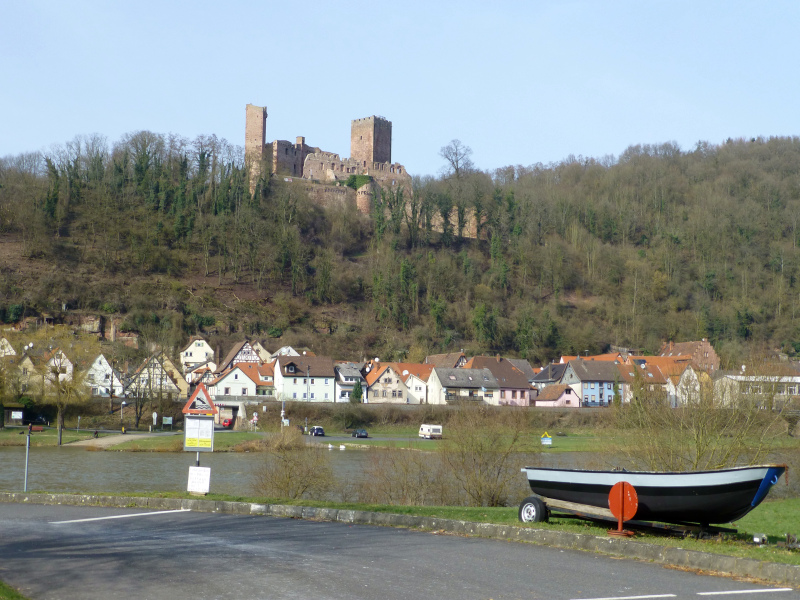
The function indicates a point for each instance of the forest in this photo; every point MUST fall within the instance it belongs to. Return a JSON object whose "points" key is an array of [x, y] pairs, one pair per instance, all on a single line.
{"points": [[657, 244]]}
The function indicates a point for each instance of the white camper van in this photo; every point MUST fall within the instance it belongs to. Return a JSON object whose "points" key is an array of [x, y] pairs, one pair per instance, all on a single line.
{"points": [[430, 432]]}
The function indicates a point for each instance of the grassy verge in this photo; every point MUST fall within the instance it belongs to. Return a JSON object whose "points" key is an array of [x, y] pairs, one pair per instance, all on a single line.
{"points": [[9, 593], [48, 437], [225, 442], [774, 518]]}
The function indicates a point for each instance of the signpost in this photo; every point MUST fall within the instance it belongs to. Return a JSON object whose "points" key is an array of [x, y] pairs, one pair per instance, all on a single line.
{"points": [[198, 436], [166, 421], [546, 439]]}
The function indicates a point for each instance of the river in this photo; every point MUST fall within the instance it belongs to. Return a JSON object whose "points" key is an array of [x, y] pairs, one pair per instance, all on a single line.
{"points": [[77, 470]]}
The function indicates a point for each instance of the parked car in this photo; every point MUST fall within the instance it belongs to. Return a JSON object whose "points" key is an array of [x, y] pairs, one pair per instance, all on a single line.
{"points": [[317, 430], [359, 433]]}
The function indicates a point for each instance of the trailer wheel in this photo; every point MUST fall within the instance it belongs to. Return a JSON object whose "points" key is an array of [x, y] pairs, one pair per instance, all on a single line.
{"points": [[533, 510]]}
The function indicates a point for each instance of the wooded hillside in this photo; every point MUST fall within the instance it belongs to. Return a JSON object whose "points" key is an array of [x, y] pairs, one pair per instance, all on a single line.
{"points": [[654, 245]]}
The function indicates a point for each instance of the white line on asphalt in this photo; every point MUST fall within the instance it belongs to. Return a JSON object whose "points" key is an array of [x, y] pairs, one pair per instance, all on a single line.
{"points": [[745, 592], [147, 514], [630, 597]]}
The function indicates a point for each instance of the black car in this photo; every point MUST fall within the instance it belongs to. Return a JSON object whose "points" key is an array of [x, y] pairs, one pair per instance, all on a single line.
{"points": [[317, 430], [359, 433]]}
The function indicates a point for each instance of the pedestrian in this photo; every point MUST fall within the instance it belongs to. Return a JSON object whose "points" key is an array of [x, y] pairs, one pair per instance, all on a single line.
{"points": [[30, 428], [96, 434]]}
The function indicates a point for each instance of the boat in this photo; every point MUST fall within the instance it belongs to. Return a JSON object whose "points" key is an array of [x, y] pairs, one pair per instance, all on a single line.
{"points": [[699, 497]]}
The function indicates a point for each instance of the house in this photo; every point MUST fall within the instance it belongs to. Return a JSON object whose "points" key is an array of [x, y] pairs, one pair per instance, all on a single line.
{"points": [[415, 376], [103, 381], [514, 386], [687, 389], [345, 377], [237, 381], [283, 351], [453, 360], [384, 384], [241, 352], [27, 373], [153, 380], [198, 352], [773, 386], [633, 376], [549, 375], [202, 373], [594, 381], [305, 378], [558, 395], [704, 358], [453, 386], [263, 353], [6, 349]]}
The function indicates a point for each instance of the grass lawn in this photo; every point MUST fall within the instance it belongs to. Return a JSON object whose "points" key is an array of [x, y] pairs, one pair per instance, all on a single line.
{"points": [[9, 593], [49, 437], [223, 442]]}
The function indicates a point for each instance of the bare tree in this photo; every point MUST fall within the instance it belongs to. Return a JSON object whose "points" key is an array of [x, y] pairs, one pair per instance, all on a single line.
{"points": [[458, 159]]}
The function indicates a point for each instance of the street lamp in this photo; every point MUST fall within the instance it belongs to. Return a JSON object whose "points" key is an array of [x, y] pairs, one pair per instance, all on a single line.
{"points": [[122, 409]]}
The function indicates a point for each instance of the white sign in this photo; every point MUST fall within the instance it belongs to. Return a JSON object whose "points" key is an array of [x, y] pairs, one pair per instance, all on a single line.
{"points": [[547, 441], [16, 415], [199, 480], [166, 420], [198, 433], [155, 418]]}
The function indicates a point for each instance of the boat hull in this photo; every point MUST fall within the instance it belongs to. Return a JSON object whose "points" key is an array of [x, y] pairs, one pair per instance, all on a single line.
{"points": [[703, 497]]}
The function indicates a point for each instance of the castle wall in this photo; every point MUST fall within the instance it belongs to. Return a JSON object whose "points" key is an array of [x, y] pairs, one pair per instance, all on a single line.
{"points": [[288, 158]]}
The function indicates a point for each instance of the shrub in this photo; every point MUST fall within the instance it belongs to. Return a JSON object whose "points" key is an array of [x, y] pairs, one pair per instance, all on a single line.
{"points": [[289, 472]]}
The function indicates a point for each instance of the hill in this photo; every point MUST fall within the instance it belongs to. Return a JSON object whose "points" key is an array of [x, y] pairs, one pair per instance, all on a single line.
{"points": [[657, 244]]}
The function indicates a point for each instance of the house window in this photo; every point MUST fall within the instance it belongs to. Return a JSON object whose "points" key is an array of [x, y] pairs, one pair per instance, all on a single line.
{"points": [[294, 395], [502, 393], [312, 381], [586, 398], [513, 394], [592, 385], [312, 395], [487, 394], [608, 386], [295, 380], [290, 369], [244, 391], [384, 393], [227, 391], [326, 382], [304, 395], [236, 376], [326, 395]]}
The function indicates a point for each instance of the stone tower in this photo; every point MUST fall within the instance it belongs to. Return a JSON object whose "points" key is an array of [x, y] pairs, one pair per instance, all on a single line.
{"points": [[371, 140], [255, 138]]}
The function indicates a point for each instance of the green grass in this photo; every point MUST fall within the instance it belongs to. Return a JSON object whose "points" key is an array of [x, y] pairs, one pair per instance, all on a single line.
{"points": [[49, 437], [223, 442], [9, 593]]}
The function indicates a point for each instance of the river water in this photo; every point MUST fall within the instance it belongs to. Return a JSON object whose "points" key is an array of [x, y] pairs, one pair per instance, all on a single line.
{"points": [[76, 470]]}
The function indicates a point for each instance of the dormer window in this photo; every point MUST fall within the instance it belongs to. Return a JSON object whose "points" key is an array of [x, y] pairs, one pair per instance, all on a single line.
{"points": [[290, 369]]}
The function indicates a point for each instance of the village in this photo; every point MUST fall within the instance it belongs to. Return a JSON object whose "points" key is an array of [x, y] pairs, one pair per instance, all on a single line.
{"points": [[250, 374]]}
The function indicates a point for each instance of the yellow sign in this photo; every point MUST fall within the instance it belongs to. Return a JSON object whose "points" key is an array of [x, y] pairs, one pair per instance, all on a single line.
{"points": [[545, 434]]}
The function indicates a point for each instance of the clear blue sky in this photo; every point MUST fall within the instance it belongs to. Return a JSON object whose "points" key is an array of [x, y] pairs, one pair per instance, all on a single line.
{"points": [[518, 82]]}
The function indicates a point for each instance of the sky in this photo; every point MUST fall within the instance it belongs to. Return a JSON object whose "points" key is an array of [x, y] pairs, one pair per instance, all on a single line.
{"points": [[519, 82]]}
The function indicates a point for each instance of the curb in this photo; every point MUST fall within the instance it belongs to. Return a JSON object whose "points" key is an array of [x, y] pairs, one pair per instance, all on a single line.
{"points": [[704, 561]]}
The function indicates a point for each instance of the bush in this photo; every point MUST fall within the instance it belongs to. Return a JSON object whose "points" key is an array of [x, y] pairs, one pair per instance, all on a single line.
{"points": [[291, 472]]}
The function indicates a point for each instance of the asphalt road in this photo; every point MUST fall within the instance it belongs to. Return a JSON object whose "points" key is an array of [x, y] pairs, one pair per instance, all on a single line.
{"points": [[70, 552]]}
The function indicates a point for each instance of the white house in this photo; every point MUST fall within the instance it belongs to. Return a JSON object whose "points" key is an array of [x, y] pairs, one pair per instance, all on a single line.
{"points": [[346, 375], [235, 382], [102, 380], [152, 380], [202, 373], [196, 353], [57, 362], [450, 386], [241, 352], [6, 349], [304, 378]]}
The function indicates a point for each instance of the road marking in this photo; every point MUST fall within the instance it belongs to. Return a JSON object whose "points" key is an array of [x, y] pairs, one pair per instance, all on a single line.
{"points": [[746, 591], [146, 514], [630, 597]]}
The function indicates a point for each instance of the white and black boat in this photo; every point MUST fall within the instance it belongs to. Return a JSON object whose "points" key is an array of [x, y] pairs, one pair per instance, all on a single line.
{"points": [[701, 497]]}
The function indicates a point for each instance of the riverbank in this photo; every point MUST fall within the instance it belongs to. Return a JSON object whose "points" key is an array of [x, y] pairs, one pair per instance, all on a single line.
{"points": [[685, 556]]}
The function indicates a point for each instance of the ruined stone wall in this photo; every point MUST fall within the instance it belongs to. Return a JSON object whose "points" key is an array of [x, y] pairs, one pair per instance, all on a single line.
{"points": [[288, 158], [371, 140]]}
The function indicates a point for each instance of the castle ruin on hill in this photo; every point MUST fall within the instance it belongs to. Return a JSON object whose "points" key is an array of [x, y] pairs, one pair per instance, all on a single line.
{"points": [[323, 173]]}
